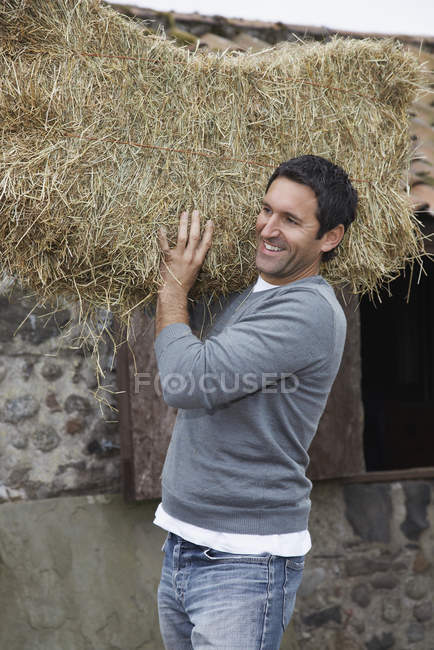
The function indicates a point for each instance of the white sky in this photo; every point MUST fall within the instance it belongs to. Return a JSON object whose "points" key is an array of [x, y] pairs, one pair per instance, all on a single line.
{"points": [[382, 16]]}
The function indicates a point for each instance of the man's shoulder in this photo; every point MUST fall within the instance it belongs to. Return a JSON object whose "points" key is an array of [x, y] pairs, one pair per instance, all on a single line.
{"points": [[310, 299], [204, 312], [309, 291]]}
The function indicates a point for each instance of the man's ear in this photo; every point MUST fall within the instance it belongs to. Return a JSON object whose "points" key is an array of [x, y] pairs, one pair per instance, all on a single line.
{"points": [[332, 238]]}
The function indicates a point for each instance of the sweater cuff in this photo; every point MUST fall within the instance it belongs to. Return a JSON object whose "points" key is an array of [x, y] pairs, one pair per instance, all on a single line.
{"points": [[168, 334]]}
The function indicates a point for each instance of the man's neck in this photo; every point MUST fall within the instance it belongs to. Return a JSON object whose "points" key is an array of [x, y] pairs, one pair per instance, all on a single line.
{"points": [[306, 273]]}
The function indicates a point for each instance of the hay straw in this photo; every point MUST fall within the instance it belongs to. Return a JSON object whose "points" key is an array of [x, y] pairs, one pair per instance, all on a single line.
{"points": [[108, 133]]}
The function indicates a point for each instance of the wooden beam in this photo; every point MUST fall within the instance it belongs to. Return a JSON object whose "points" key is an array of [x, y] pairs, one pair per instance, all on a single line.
{"points": [[411, 474], [125, 428]]}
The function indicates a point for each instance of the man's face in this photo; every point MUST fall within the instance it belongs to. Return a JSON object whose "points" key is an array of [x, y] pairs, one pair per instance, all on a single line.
{"points": [[287, 222]]}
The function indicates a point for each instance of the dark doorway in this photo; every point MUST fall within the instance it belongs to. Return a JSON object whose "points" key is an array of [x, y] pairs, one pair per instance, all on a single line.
{"points": [[398, 375]]}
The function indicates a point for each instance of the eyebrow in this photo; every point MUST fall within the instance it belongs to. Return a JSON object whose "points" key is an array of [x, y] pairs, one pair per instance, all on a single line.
{"points": [[286, 214]]}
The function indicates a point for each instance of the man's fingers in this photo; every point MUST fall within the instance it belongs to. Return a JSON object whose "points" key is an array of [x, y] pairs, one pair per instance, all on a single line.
{"points": [[206, 242], [183, 230], [197, 247], [162, 240], [194, 236]]}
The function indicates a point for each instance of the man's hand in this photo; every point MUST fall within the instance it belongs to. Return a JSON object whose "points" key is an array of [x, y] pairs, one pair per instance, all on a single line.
{"points": [[181, 265], [179, 269]]}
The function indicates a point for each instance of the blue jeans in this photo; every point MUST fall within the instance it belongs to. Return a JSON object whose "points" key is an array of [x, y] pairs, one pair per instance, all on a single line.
{"points": [[210, 599]]}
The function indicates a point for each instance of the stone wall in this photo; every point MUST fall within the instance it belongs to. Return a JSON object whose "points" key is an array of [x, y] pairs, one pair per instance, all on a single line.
{"points": [[81, 573], [369, 578], [55, 437]]}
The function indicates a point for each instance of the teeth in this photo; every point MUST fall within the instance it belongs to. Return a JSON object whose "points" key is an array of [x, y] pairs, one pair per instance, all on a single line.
{"points": [[269, 247]]}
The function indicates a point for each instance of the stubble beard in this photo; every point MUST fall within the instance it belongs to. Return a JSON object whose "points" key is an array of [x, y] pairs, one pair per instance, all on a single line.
{"points": [[278, 269]]}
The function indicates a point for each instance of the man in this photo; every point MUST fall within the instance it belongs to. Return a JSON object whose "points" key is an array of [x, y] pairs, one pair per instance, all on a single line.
{"points": [[250, 396]]}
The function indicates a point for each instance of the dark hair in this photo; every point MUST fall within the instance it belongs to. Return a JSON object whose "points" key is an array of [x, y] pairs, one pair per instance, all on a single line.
{"points": [[336, 197]]}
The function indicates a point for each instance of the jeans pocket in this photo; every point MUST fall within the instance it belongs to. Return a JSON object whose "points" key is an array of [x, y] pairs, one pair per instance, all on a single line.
{"points": [[293, 575], [295, 563]]}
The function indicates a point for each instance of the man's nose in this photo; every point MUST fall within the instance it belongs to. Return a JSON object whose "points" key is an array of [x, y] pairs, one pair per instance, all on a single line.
{"points": [[271, 228]]}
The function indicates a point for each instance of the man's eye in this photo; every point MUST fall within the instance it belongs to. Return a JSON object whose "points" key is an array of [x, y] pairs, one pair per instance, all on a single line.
{"points": [[264, 209]]}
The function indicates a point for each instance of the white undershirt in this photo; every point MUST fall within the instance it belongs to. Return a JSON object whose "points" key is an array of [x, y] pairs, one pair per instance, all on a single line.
{"points": [[286, 544]]}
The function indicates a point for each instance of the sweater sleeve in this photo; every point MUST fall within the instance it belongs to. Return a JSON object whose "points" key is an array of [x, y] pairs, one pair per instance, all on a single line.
{"points": [[271, 342]]}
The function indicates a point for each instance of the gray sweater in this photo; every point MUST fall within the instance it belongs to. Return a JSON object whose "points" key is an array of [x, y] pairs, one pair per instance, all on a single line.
{"points": [[250, 397]]}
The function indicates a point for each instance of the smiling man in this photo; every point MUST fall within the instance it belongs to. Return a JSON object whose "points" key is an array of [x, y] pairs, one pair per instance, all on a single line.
{"points": [[250, 395]]}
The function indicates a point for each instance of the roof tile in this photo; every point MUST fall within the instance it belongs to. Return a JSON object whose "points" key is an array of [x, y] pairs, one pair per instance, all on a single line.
{"points": [[215, 42], [246, 41]]}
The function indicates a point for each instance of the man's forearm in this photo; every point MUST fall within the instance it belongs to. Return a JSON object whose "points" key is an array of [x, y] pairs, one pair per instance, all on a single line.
{"points": [[171, 308]]}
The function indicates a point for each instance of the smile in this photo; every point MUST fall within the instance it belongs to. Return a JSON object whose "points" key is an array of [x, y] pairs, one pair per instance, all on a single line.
{"points": [[271, 248]]}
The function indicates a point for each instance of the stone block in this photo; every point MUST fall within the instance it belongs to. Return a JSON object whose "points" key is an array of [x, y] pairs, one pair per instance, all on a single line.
{"points": [[386, 640], [361, 594], [80, 466], [323, 616], [391, 609], [52, 403], [421, 564], [74, 425], [103, 428], [384, 581], [312, 578], [19, 476], [415, 632], [27, 368], [424, 611], [19, 440], [3, 370], [45, 439], [8, 494], [417, 499], [51, 371], [368, 509], [361, 565], [20, 408], [417, 588], [77, 404]]}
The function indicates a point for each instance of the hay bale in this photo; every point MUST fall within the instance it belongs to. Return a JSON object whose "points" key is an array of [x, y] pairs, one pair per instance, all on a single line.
{"points": [[108, 133]]}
